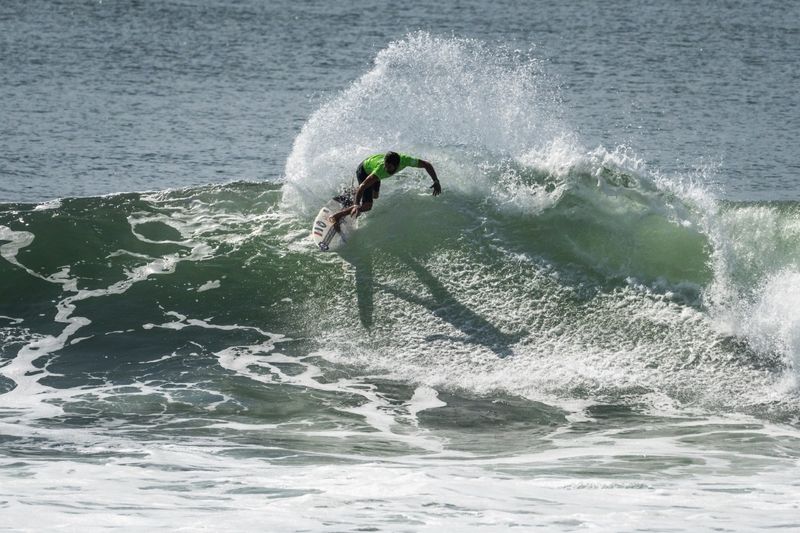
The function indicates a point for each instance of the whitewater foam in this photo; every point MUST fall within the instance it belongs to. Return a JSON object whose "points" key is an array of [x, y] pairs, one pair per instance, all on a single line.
{"points": [[756, 273], [446, 100]]}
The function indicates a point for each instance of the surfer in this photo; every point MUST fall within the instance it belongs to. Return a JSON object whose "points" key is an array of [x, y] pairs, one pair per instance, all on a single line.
{"points": [[375, 168]]}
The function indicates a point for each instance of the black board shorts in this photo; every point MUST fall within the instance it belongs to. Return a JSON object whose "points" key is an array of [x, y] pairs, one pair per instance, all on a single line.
{"points": [[361, 175]]}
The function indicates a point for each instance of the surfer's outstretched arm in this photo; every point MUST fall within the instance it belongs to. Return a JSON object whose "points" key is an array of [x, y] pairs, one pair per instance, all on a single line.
{"points": [[437, 188]]}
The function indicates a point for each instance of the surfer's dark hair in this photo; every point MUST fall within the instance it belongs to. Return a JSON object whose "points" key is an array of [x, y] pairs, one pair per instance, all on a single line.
{"points": [[393, 158]]}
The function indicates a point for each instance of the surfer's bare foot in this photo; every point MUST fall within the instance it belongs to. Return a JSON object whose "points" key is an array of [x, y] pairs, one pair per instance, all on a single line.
{"points": [[334, 221]]}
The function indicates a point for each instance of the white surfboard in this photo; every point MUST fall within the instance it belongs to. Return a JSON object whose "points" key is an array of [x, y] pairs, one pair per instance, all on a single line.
{"points": [[324, 235]]}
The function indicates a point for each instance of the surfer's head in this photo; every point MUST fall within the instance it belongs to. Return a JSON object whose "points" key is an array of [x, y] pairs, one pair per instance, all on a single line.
{"points": [[391, 161]]}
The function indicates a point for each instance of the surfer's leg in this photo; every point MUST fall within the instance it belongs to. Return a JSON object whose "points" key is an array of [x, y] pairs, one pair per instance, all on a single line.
{"points": [[373, 192], [366, 205], [368, 196], [334, 218], [361, 174]]}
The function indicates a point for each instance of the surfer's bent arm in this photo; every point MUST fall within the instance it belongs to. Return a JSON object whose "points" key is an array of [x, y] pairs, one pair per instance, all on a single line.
{"points": [[370, 180], [437, 188]]}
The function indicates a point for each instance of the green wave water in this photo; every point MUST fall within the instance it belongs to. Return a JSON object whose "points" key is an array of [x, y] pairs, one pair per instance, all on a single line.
{"points": [[606, 293]]}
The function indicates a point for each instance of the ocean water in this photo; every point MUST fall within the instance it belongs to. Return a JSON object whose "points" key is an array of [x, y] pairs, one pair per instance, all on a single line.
{"points": [[595, 326]]}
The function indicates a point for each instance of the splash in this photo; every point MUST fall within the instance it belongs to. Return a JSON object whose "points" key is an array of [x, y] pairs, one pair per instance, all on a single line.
{"points": [[456, 102], [756, 260]]}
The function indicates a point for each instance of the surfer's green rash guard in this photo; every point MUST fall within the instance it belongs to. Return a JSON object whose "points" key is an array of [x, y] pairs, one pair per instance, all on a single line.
{"points": [[374, 165]]}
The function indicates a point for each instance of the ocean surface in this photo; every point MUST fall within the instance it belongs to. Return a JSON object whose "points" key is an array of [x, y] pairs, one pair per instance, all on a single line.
{"points": [[595, 327]]}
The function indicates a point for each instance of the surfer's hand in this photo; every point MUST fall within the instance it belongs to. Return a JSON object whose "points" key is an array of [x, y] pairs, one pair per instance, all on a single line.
{"points": [[354, 211], [437, 189]]}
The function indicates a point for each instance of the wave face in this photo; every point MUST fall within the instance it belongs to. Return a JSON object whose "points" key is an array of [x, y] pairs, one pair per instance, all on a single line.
{"points": [[598, 274], [546, 270]]}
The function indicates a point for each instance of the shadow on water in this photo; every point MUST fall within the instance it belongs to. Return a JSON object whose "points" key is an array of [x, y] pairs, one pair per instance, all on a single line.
{"points": [[362, 263], [383, 238], [365, 289], [445, 306]]}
